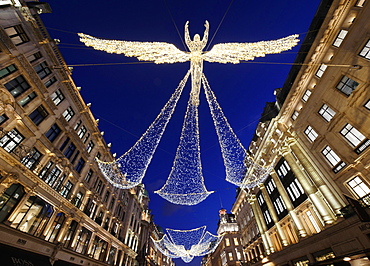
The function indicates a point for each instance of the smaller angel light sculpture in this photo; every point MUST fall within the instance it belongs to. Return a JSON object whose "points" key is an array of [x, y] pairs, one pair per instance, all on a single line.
{"points": [[187, 244]]}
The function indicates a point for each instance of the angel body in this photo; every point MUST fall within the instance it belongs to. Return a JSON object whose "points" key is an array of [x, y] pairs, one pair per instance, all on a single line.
{"points": [[161, 52]]}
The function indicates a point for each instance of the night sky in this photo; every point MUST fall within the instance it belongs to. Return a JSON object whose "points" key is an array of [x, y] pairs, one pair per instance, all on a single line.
{"points": [[127, 95]]}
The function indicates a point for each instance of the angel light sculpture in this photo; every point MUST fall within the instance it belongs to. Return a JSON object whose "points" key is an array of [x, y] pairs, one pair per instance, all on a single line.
{"points": [[129, 170], [187, 244]]}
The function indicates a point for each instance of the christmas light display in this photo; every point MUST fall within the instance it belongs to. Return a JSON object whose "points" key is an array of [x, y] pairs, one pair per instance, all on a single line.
{"points": [[161, 52], [185, 184], [241, 170], [129, 170], [187, 244]]}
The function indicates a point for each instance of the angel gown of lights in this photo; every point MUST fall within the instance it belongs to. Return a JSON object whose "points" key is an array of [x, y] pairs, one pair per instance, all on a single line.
{"points": [[185, 184], [187, 244]]}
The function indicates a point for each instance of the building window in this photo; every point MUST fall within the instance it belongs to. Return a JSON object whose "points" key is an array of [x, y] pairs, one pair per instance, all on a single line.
{"points": [[6, 71], [90, 146], [264, 209], [17, 35], [57, 97], [77, 200], [306, 95], [82, 131], [275, 198], [83, 240], [98, 185], [34, 57], [9, 200], [68, 113], [310, 133], [38, 115], [367, 105], [42, 70], [53, 132], [17, 86], [26, 100], [290, 182], [80, 165], [77, 125], [326, 112], [66, 189], [360, 3], [11, 140], [55, 227], [365, 52], [3, 118], [333, 159], [50, 82], [86, 137], [347, 85], [32, 159], [33, 216], [70, 150], [359, 187], [321, 70], [64, 144], [295, 115], [352, 135], [89, 175], [338, 41], [230, 256]]}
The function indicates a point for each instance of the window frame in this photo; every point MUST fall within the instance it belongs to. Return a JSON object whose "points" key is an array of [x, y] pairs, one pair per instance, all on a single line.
{"points": [[365, 51], [326, 112], [68, 114], [17, 86], [14, 138], [53, 132], [19, 37], [38, 115], [340, 38], [347, 85], [42, 70], [57, 97]]}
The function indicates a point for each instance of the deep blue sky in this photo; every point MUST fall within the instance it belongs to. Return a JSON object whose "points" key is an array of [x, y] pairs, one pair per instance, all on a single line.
{"points": [[127, 97]]}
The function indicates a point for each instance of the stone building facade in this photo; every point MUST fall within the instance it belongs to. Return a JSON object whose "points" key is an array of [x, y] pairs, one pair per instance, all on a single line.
{"points": [[56, 208], [313, 209]]}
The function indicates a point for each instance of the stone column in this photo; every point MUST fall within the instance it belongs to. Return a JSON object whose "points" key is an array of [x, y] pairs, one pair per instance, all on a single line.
{"points": [[74, 240], [261, 224], [308, 187], [274, 215], [50, 222], [335, 204], [89, 246], [289, 205]]}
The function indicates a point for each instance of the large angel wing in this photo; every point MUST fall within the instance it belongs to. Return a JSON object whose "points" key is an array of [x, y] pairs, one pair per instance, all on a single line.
{"points": [[236, 52], [159, 52]]}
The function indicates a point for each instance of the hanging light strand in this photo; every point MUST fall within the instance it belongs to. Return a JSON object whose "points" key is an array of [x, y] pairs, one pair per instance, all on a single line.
{"points": [[238, 164], [185, 183], [187, 244], [129, 170]]}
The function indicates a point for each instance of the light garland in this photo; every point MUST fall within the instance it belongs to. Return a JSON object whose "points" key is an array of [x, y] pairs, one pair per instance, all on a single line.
{"points": [[185, 183], [241, 170], [187, 244], [129, 170]]}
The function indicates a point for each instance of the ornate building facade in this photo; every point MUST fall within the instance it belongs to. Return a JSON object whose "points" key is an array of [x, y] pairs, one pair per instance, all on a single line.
{"points": [[313, 209], [56, 208]]}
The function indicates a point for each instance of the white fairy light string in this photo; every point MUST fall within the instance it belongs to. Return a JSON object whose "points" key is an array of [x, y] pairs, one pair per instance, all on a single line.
{"points": [[129, 170], [241, 170], [185, 184], [187, 244]]}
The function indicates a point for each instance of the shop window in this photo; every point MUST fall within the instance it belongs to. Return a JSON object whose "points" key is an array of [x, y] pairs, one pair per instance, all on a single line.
{"points": [[55, 227], [9, 200], [70, 234], [33, 217], [83, 241], [99, 249]]}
